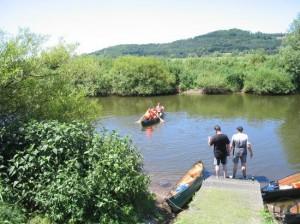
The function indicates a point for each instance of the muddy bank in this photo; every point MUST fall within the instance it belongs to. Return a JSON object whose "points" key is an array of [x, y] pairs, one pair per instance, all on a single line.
{"points": [[204, 91], [161, 193]]}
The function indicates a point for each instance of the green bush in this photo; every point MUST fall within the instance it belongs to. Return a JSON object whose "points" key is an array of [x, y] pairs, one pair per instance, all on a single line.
{"points": [[290, 52], [141, 76], [73, 175], [213, 82], [256, 73], [33, 84], [39, 220], [268, 81], [11, 214], [87, 74]]}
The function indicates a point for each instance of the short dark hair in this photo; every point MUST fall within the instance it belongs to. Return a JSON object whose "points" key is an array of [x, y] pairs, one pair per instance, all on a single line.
{"points": [[240, 128], [217, 128]]}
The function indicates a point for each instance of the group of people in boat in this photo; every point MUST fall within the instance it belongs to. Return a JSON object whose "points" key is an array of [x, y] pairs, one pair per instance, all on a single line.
{"points": [[153, 113]]}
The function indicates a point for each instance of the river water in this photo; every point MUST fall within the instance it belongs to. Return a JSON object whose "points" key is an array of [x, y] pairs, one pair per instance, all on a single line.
{"points": [[169, 149]]}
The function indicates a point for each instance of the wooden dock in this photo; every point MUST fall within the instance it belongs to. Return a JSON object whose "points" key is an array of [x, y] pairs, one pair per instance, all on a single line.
{"points": [[222, 201]]}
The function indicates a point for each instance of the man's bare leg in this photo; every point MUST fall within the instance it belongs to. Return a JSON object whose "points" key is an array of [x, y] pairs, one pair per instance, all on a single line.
{"points": [[235, 167], [217, 169], [244, 170], [225, 171]]}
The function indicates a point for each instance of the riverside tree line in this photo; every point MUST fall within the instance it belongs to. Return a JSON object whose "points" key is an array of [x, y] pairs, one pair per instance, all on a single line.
{"points": [[54, 167]]}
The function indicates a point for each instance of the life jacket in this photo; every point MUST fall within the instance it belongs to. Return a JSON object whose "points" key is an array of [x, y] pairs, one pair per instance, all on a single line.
{"points": [[152, 113]]}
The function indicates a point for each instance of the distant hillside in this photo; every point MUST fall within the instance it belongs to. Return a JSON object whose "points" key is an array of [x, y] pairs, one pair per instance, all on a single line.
{"points": [[223, 41]]}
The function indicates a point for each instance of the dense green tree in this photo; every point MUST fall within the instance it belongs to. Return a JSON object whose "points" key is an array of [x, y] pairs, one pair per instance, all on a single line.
{"points": [[291, 51], [32, 84], [89, 75]]}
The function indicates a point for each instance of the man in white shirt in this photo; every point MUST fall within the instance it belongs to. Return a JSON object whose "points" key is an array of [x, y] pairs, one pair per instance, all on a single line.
{"points": [[239, 145]]}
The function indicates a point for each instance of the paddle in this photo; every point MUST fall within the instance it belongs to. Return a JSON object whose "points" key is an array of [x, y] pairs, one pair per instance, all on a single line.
{"points": [[161, 120], [139, 120]]}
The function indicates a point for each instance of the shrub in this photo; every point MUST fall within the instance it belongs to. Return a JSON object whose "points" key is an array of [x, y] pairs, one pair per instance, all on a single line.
{"points": [[141, 76], [268, 81], [32, 84], [87, 74], [11, 214], [71, 174], [213, 83]]}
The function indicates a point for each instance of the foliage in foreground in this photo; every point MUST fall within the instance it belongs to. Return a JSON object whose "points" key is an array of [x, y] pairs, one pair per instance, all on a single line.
{"points": [[72, 175], [267, 217], [11, 214]]}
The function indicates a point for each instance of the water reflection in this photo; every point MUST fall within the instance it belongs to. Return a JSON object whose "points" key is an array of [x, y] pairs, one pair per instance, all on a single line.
{"points": [[148, 131], [169, 149], [289, 132]]}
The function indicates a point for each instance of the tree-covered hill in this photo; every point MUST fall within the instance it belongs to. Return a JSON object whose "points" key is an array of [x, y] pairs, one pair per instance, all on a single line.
{"points": [[222, 41]]}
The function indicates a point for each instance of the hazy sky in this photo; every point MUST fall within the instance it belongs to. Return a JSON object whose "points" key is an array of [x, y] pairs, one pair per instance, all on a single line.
{"points": [[96, 24]]}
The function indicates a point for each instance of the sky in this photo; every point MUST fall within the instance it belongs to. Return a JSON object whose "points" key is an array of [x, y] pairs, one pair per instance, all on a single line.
{"points": [[97, 24]]}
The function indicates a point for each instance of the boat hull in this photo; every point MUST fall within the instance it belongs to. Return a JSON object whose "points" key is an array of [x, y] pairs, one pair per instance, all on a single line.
{"points": [[279, 193], [145, 123], [274, 195], [179, 200]]}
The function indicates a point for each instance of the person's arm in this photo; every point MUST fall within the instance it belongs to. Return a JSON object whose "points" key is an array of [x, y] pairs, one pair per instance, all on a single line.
{"points": [[228, 149], [209, 142], [249, 147], [232, 145]]}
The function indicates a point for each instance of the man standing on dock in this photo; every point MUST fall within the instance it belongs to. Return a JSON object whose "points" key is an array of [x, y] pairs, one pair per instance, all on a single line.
{"points": [[220, 142], [239, 145]]}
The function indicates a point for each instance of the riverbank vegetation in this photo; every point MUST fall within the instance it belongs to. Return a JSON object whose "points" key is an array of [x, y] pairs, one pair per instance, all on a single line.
{"points": [[55, 168], [254, 72], [71, 174]]}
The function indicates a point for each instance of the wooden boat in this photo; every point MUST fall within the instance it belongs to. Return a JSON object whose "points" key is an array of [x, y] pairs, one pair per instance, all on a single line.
{"points": [[288, 187], [186, 187], [152, 121]]}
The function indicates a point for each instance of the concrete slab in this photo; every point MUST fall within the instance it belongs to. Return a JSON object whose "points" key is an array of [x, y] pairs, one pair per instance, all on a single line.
{"points": [[222, 201]]}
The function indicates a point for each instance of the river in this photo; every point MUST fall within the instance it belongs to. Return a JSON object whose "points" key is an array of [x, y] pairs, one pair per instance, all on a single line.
{"points": [[170, 148]]}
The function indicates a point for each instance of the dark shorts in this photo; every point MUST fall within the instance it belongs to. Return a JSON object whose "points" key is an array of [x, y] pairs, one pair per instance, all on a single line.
{"points": [[238, 157], [219, 160]]}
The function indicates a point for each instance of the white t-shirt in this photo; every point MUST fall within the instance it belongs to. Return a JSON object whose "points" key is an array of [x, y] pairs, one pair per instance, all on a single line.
{"points": [[240, 141]]}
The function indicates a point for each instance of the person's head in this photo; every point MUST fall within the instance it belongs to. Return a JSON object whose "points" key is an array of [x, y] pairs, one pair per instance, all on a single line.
{"points": [[217, 128], [239, 129], [158, 104]]}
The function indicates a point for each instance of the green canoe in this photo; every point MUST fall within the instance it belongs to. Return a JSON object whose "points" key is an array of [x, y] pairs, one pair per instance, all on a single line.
{"points": [[178, 200]]}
